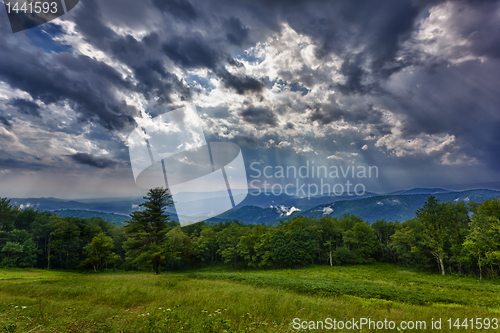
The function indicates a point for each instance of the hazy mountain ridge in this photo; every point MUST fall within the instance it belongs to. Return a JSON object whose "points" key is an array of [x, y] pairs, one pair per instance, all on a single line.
{"points": [[124, 207], [389, 207], [116, 219], [270, 209], [399, 207], [265, 200]]}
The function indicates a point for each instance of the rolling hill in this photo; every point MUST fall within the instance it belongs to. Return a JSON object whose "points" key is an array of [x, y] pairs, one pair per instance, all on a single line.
{"points": [[116, 219], [390, 207], [270, 209]]}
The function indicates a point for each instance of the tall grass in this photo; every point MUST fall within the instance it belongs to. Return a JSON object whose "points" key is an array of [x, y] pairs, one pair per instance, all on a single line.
{"points": [[207, 301], [381, 281]]}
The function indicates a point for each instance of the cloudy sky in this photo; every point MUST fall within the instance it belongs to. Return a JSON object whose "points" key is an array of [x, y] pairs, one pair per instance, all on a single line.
{"points": [[412, 87]]}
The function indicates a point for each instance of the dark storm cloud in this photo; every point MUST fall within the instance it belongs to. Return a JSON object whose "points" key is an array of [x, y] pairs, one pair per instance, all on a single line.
{"points": [[181, 9], [460, 100], [479, 25], [237, 34], [86, 83], [365, 33], [128, 49], [332, 112], [92, 23], [355, 74], [259, 116], [367, 36], [192, 52], [5, 122], [97, 162], [326, 116], [240, 83], [154, 81], [89, 85], [189, 43], [26, 107]]}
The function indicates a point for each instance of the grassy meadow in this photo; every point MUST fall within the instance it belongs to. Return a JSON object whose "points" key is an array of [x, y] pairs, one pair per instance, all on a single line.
{"points": [[221, 300]]}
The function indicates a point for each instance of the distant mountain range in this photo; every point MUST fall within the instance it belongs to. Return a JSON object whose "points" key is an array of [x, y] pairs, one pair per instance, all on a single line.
{"points": [[116, 219], [265, 200], [399, 207], [390, 207], [109, 205], [269, 209], [421, 191]]}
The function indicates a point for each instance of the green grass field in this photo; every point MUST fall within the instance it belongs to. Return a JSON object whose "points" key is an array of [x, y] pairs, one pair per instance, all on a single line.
{"points": [[219, 300]]}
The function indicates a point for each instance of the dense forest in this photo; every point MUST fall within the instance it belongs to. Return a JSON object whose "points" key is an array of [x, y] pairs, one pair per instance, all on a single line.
{"points": [[446, 237]]}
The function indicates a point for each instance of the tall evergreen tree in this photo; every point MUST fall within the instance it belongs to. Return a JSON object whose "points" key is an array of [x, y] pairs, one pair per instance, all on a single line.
{"points": [[147, 232]]}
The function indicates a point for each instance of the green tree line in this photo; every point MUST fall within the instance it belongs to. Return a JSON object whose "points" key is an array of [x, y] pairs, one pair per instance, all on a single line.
{"points": [[445, 237]]}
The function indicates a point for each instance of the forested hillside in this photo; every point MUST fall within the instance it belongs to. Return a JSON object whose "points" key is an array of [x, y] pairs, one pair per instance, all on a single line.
{"points": [[116, 219], [446, 237], [399, 207]]}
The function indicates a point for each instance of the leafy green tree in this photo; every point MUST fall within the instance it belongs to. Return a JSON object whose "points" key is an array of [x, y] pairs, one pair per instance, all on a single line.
{"points": [[384, 230], [483, 241], [329, 235], [24, 219], [279, 249], [348, 221], [19, 250], [247, 245], [409, 245], [42, 229], [118, 235], [179, 247], [90, 229], [294, 248], [194, 230], [263, 249], [228, 239], [12, 251], [100, 252], [205, 245], [437, 228], [66, 248], [457, 213], [343, 256], [362, 241], [147, 232]]}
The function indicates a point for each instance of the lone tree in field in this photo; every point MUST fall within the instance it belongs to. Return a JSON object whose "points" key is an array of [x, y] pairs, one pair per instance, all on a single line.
{"points": [[147, 232]]}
